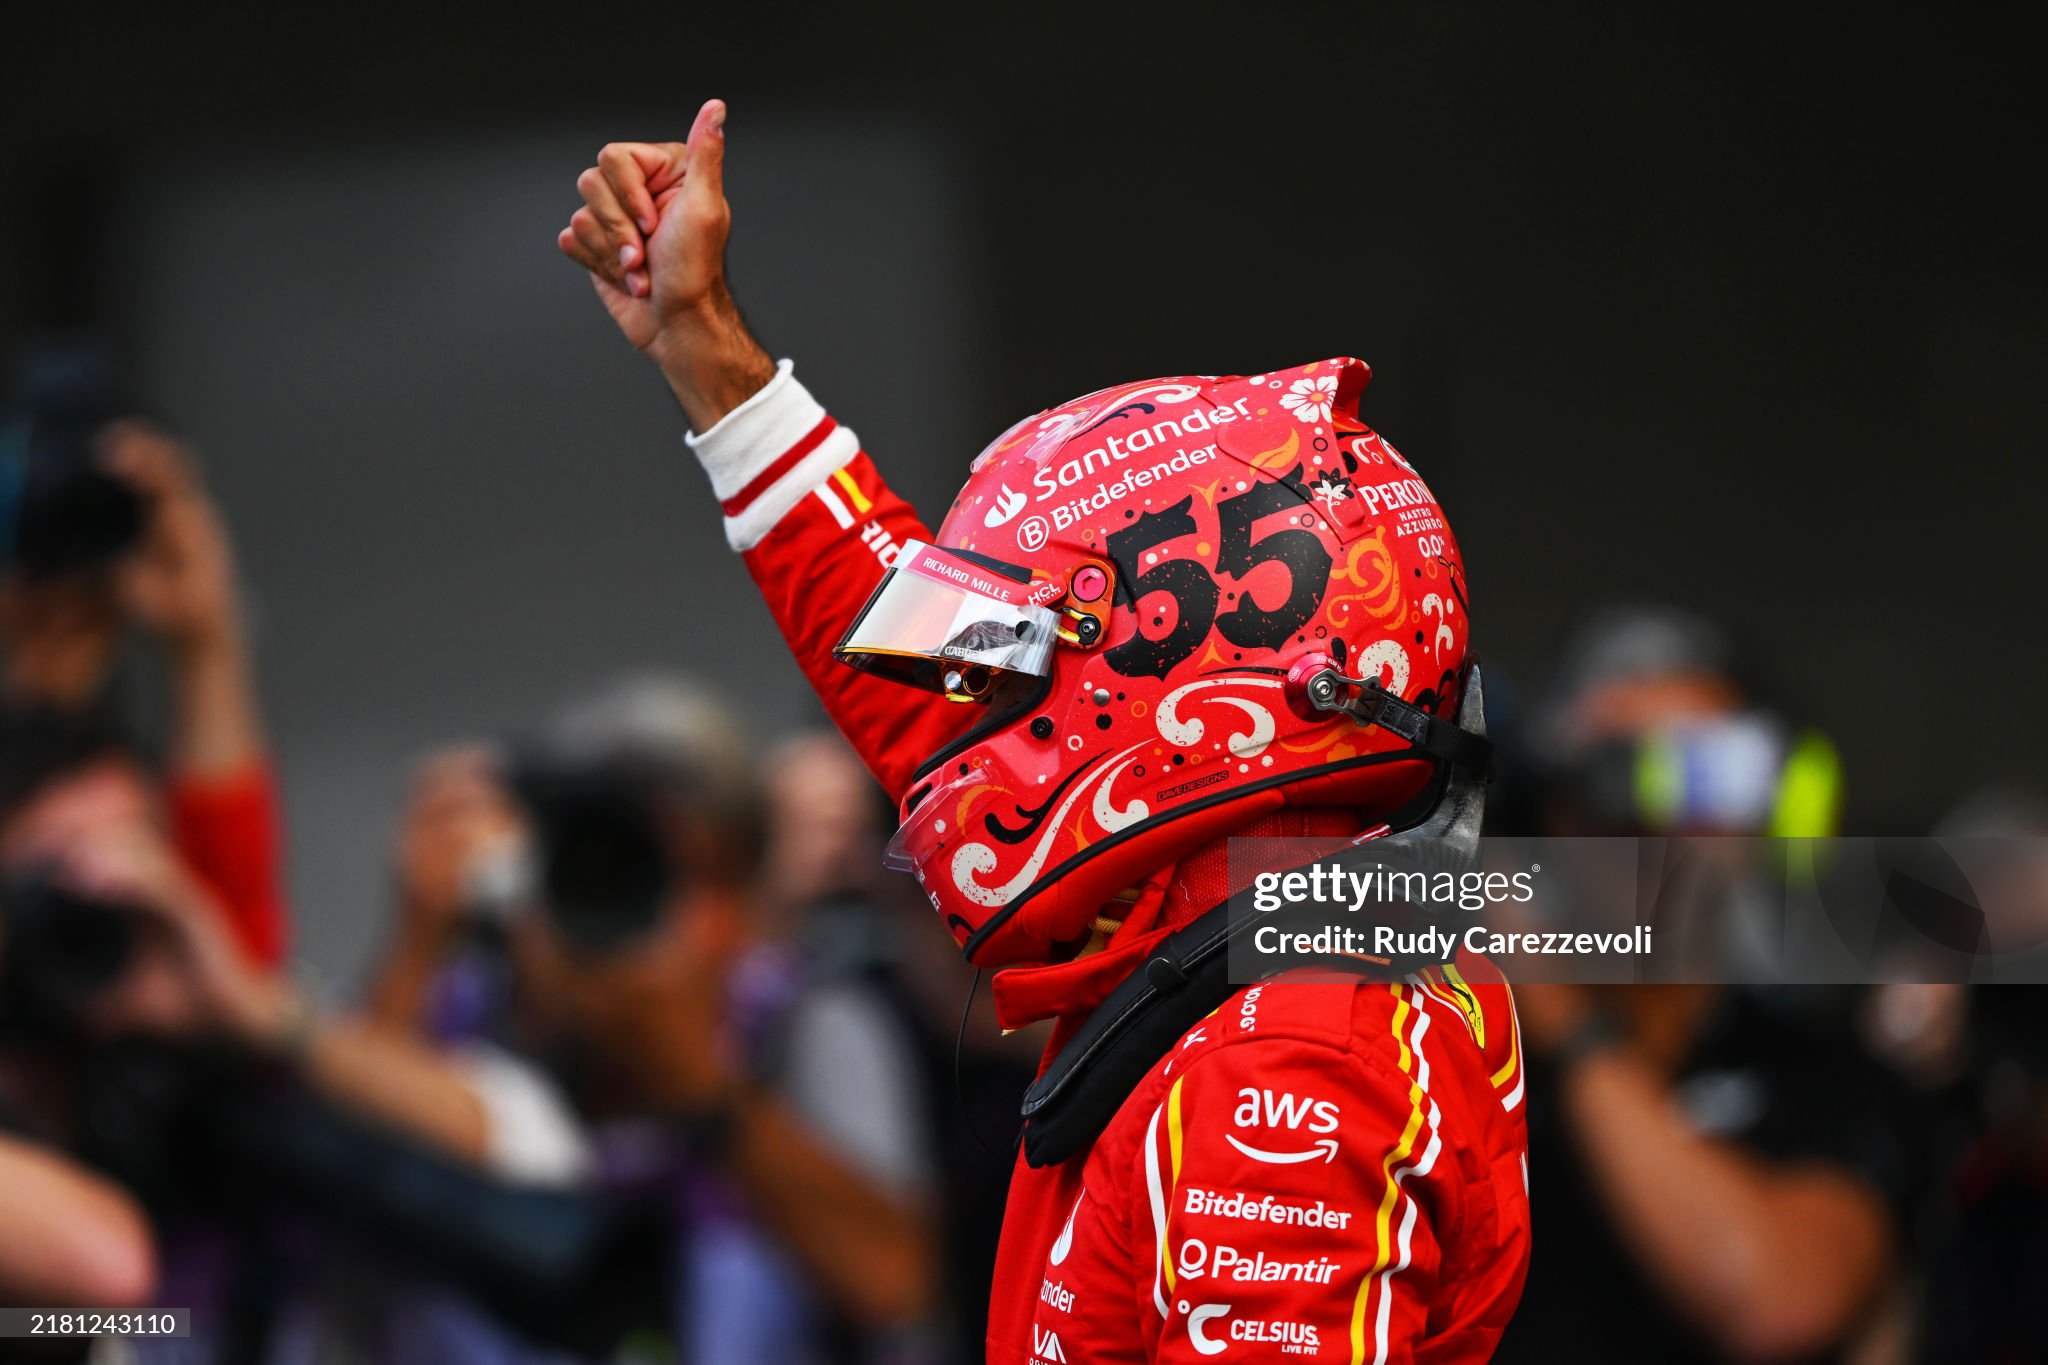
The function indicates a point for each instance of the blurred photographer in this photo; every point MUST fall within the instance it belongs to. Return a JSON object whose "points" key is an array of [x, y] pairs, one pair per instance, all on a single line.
{"points": [[105, 526], [1987, 1243], [138, 1031], [1726, 1173], [829, 823], [598, 903], [442, 974]]}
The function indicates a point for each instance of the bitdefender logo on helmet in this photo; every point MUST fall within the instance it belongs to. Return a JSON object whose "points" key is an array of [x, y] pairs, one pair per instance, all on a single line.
{"points": [[1110, 494]]}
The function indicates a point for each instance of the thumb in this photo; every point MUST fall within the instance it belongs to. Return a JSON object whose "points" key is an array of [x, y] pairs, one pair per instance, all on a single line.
{"points": [[704, 184]]}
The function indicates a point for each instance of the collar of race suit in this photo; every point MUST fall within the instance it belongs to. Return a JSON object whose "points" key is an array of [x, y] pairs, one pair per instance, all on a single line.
{"points": [[1175, 896]]}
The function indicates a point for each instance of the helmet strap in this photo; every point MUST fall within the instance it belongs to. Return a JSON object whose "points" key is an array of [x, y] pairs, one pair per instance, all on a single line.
{"points": [[1324, 687]]}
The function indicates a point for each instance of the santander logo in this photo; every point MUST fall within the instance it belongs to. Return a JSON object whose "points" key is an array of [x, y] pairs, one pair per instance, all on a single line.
{"points": [[1065, 1242], [1008, 505]]}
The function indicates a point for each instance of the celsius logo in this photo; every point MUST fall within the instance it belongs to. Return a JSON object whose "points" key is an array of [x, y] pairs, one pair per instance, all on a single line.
{"points": [[1008, 504], [1033, 534], [1198, 1321], [1293, 1338]]}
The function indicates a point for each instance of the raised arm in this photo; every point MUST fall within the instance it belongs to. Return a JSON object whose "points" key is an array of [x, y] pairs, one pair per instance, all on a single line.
{"points": [[180, 586], [802, 502]]}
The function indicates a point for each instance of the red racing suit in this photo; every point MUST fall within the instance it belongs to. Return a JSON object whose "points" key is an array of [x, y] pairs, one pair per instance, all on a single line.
{"points": [[1328, 1171]]}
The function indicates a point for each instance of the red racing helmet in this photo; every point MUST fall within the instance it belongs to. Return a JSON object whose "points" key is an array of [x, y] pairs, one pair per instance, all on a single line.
{"points": [[1175, 600]]}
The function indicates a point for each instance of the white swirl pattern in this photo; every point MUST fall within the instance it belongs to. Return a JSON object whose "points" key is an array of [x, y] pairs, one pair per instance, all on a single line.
{"points": [[977, 859], [1385, 656], [1186, 733], [1443, 609], [1106, 814]]}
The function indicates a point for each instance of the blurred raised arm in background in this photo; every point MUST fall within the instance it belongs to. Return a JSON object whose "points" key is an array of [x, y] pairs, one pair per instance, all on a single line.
{"points": [[457, 815], [109, 527]]}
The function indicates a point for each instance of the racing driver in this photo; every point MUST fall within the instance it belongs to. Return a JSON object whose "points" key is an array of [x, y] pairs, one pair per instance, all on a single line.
{"points": [[1156, 616]]}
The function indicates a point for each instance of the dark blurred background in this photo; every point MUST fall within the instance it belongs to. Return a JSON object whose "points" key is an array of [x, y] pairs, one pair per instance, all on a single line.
{"points": [[1735, 308]]}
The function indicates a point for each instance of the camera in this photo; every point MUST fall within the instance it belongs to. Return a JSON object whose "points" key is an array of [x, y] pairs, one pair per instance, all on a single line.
{"points": [[598, 861], [62, 513], [58, 950]]}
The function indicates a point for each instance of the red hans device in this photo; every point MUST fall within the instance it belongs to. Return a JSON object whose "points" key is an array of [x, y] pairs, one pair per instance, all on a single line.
{"points": [[1202, 549]]}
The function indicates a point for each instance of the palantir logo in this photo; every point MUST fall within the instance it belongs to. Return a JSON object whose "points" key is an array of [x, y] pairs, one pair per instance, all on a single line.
{"points": [[1008, 504]]}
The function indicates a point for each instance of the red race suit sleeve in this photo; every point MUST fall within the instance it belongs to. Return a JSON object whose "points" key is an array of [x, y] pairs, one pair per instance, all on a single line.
{"points": [[818, 528], [228, 830]]}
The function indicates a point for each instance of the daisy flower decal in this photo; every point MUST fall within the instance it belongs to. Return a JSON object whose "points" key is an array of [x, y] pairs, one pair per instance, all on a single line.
{"points": [[1330, 489], [1310, 399]]}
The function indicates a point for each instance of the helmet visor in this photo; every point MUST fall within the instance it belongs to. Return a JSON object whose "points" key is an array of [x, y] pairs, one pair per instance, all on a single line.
{"points": [[950, 624]]}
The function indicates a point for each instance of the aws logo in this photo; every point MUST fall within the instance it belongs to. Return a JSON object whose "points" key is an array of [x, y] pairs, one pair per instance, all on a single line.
{"points": [[1285, 1111], [1008, 505]]}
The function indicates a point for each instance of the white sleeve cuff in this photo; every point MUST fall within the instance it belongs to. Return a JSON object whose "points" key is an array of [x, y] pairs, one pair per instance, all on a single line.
{"points": [[534, 1137], [747, 440], [768, 452]]}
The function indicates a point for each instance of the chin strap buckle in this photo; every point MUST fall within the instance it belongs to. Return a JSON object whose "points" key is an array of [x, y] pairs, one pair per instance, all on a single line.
{"points": [[1367, 702], [1316, 686]]}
